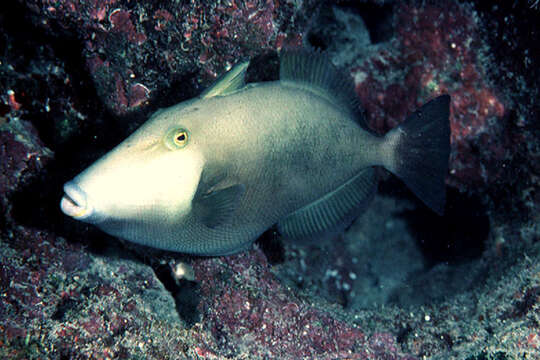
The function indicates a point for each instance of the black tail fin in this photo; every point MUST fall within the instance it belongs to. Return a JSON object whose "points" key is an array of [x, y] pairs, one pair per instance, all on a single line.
{"points": [[421, 146]]}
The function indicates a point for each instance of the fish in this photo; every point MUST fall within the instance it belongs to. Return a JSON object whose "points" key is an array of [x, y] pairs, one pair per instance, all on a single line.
{"points": [[209, 175]]}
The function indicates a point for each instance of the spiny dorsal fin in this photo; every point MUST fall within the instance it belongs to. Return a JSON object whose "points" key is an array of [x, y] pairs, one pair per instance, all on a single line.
{"points": [[313, 71], [227, 83], [330, 211]]}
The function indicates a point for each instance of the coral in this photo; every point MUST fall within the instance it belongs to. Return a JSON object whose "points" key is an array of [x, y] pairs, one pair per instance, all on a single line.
{"points": [[40, 80], [464, 51], [249, 312], [437, 50], [68, 291], [59, 300], [141, 45], [23, 155]]}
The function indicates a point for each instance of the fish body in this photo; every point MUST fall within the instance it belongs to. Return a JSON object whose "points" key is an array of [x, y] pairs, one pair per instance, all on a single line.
{"points": [[209, 175]]}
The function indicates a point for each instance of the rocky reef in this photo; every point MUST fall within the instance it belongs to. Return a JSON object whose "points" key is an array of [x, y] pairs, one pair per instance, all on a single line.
{"points": [[401, 283]]}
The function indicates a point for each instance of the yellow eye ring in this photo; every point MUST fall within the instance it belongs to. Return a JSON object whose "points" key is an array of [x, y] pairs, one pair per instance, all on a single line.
{"points": [[176, 139], [180, 138]]}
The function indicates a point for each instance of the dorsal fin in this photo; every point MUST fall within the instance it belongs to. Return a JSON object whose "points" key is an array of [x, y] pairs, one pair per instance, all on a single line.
{"points": [[311, 70], [227, 83], [327, 213]]}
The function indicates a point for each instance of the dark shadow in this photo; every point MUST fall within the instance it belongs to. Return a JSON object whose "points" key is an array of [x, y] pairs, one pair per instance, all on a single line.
{"points": [[183, 87], [35, 51], [272, 247], [184, 292], [264, 67], [458, 236], [378, 20], [37, 203]]}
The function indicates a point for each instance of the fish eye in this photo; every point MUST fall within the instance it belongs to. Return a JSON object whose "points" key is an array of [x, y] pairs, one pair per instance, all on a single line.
{"points": [[180, 138], [177, 139]]}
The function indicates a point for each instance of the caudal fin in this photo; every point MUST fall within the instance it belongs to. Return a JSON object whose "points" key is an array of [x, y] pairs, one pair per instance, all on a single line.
{"points": [[421, 146]]}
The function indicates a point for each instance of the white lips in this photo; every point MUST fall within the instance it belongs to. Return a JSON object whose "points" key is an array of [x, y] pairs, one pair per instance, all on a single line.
{"points": [[74, 202]]}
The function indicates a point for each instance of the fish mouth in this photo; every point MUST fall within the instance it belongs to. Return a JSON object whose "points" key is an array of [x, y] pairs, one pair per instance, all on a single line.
{"points": [[74, 203]]}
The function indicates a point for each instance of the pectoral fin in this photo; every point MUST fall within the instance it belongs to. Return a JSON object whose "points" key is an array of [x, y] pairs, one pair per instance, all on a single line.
{"points": [[216, 207]]}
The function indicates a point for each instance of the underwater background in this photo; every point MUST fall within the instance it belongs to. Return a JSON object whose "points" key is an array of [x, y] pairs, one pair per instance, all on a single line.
{"points": [[77, 76]]}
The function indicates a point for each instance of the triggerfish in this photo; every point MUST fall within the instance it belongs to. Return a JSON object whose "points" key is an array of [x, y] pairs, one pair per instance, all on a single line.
{"points": [[209, 175]]}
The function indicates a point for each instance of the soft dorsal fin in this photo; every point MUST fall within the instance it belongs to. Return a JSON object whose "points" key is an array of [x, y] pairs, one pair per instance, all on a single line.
{"points": [[327, 213], [227, 83], [311, 70]]}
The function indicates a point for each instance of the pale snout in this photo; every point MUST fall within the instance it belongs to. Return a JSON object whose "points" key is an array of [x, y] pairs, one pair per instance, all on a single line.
{"points": [[76, 203]]}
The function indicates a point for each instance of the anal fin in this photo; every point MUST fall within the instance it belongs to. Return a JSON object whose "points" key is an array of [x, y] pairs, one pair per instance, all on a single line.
{"points": [[332, 209]]}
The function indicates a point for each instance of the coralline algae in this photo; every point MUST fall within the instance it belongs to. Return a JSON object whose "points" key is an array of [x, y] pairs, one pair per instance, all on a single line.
{"points": [[67, 292]]}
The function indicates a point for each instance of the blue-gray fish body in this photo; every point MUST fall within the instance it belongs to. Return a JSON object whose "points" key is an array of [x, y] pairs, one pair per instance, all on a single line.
{"points": [[209, 175]]}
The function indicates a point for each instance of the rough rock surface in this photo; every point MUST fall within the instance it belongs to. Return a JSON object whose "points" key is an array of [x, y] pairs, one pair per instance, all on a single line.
{"points": [[77, 76]]}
